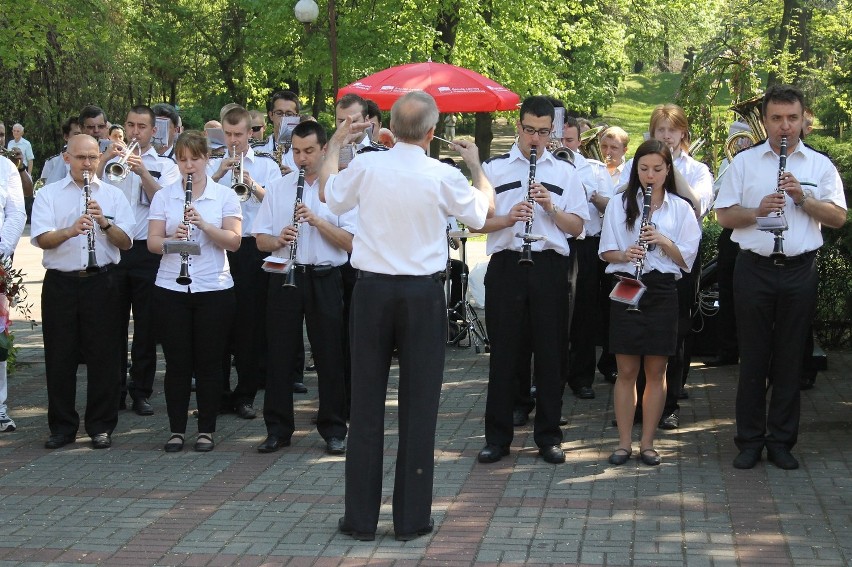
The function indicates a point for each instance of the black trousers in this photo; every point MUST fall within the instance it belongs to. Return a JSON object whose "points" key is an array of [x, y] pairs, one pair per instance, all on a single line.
{"points": [[81, 317], [194, 331], [350, 276], [586, 321], [248, 334], [775, 306], [317, 300], [409, 312], [134, 280], [726, 321], [513, 292]]}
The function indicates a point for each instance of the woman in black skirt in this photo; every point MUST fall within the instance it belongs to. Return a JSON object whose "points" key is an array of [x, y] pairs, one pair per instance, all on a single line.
{"points": [[665, 246]]}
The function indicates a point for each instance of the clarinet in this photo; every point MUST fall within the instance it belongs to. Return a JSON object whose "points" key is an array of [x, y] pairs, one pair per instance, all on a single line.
{"points": [[646, 220], [290, 278], [778, 249], [526, 249], [92, 265], [183, 278]]}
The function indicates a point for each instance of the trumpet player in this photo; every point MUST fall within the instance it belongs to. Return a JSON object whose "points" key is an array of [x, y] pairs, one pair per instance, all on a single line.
{"points": [[194, 319], [322, 241], [145, 172], [250, 281], [657, 251], [79, 305], [556, 203], [775, 302]]}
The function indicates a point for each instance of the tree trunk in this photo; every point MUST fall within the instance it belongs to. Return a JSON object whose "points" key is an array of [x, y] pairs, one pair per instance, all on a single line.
{"points": [[483, 134]]}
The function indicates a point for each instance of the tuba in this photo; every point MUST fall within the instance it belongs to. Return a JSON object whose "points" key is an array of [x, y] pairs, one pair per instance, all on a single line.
{"points": [[751, 111], [590, 144]]}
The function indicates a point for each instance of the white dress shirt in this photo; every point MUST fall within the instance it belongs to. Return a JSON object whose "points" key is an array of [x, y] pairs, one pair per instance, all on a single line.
{"points": [[276, 212], [13, 215], [59, 205], [509, 174], [595, 179], [164, 170], [210, 270], [754, 174], [262, 169], [674, 219], [26, 149], [404, 198], [54, 169]]}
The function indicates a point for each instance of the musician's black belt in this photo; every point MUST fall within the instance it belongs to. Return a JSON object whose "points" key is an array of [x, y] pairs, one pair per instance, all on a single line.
{"points": [[82, 273], [781, 262], [305, 268], [517, 254], [437, 276]]}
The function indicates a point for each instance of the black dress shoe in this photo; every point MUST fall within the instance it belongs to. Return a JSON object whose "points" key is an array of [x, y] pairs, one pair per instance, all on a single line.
{"points": [[174, 444], [563, 420], [782, 459], [417, 533], [344, 528], [671, 421], [620, 456], [245, 411], [101, 441], [300, 388], [492, 453], [585, 393], [335, 446], [57, 440], [272, 443], [553, 454], [650, 457], [747, 458], [519, 417], [722, 361], [142, 407]]}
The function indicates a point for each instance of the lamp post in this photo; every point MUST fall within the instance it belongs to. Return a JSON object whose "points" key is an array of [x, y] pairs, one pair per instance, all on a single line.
{"points": [[307, 11]]}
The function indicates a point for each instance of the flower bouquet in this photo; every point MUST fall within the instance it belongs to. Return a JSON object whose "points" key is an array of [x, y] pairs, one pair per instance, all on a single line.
{"points": [[12, 295]]}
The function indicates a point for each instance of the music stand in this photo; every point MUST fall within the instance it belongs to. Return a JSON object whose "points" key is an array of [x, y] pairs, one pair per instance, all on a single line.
{"points": [[462, 313]]}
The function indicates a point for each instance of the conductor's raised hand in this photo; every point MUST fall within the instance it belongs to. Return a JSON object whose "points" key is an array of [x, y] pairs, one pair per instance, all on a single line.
{"points": [[468, 151], [348, 131]]}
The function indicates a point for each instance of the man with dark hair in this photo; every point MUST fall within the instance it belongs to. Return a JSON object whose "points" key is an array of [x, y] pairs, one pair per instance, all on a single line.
{"points": [[374, 117], [146, 172], [400, 249], [93, 121], [775, 298], [250, 281], [282, 109], [322, 241], [536, 293], [55, 167], [353, 105]]}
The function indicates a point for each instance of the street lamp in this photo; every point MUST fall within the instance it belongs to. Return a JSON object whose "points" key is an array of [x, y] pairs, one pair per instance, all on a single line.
{"points": [[307, 12]]}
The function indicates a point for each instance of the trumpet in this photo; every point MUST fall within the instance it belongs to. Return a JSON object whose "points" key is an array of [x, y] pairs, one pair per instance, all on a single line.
{"points": [[243, 191], [184, 278], [118, 170], [290, 277], [92, 263]]}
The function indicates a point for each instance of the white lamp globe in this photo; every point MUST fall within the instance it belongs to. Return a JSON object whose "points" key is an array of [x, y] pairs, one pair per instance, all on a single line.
{"points": [[306, 11]]}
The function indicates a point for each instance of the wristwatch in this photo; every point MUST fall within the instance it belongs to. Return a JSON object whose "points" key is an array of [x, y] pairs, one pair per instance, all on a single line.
{"points": [[806, 194], [107, 227]]}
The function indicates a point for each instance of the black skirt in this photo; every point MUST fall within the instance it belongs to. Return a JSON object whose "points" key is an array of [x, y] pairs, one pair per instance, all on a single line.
{"points": [[652, 330]]}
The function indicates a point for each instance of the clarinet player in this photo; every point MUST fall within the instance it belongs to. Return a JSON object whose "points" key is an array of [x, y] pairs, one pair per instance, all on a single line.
{"points": [[79, 299], [195, 318], [775, 299], [665, 245]]}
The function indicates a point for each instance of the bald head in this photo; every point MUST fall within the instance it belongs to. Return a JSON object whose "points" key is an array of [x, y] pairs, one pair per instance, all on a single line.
{"points": [[82, 143], [413, 116]]}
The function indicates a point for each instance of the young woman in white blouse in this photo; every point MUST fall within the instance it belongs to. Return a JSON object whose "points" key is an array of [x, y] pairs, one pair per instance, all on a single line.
{"points": [[194, 319], [647, 337]]}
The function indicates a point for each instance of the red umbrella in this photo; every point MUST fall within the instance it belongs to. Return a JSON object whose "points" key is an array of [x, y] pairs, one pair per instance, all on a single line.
{"points": [[455, 89]]}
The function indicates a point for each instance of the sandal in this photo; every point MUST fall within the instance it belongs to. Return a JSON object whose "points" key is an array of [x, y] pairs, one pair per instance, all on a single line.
{"points": [[650, 457], [620, 456], [204, 443], [174, 444]]}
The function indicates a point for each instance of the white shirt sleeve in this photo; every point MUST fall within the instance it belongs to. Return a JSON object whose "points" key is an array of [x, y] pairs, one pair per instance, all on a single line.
{"points": [[14, 212]]}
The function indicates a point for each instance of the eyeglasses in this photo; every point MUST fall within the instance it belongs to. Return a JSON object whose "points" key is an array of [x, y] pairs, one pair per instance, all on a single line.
{"points": [[86, 158], [256, 128], [280, 113], [530, 131]]}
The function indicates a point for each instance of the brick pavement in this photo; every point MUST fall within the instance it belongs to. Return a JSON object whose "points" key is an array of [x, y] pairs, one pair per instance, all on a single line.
{"points": [[136, 505]]}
